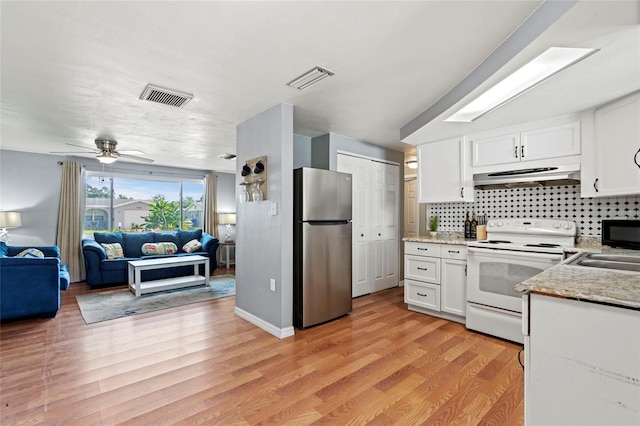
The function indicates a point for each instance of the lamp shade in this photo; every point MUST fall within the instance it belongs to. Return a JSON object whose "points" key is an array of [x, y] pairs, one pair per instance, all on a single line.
{"points": [[227, 218], [10, 219]]}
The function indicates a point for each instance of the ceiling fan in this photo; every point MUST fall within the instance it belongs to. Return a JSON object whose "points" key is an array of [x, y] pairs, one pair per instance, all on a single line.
{"points": [[106, 152]]}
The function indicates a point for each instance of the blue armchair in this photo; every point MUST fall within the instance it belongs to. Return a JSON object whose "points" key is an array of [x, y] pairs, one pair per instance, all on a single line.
{"points": [[31, 286]]}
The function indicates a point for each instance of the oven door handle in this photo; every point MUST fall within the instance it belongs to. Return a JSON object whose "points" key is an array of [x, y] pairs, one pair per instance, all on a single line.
{"points": [[528, 254]]}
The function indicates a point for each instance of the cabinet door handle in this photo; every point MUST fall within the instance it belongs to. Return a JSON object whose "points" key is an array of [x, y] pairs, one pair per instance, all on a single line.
{"points": [[515, 151], [454, 251], [422, 294], [379, 235], [465, 270], [461, 192], [635, 158], [362, 235], [422, 269], [595, 184], [522, 151], [423, 249]]}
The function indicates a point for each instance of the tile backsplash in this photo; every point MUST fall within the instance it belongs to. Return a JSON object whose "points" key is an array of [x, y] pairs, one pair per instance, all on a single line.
{"points": [[553, 202]]}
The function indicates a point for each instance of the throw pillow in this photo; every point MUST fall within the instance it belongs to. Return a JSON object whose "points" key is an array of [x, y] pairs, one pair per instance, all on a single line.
{"points": [[3, 249], [186, 236], [31, 253], [159, 248], [191, 246], [114, 250]]}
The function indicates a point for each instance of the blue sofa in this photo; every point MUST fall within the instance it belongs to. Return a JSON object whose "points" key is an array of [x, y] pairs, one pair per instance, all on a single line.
{"points": [[104, 272], [31, 286]]}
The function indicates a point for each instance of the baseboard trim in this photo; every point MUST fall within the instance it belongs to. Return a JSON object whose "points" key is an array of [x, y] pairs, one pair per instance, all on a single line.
{"points": [[280, 333], [401, 284]]}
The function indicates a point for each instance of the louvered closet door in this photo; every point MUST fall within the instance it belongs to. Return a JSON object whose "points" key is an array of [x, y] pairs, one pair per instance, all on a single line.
{"points": [[360, 170]]}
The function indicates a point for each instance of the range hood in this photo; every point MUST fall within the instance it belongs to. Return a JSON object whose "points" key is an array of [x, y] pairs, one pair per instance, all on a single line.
{"points": [[540, 176]]}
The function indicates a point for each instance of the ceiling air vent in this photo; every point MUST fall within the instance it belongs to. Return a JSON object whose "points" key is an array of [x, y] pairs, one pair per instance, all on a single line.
{"points": [[165, 96], [312, 76], [227, 156]]}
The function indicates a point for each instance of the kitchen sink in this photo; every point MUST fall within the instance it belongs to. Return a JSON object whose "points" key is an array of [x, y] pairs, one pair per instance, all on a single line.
{"points": [[620, 262]]}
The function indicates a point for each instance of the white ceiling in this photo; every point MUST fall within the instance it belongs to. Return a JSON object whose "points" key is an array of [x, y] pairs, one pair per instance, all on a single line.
{"points": [[73, 71]]}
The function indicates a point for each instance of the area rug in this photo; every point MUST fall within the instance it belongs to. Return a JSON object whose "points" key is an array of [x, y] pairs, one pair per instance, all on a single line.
{"points": [[114, 304]]}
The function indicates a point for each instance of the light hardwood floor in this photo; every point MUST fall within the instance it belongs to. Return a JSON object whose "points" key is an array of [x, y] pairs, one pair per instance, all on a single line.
{"points": [[200, 364]]}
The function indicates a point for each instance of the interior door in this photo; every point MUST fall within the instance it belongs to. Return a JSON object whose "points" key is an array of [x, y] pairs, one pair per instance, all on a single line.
{"points": [[361, 214], [385, 209], [410, 209]]}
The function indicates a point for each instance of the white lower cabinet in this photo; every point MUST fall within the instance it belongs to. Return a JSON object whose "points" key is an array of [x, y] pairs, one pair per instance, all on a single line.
{"points": [[436, 279], [421, 294], [454, 287], [581, 362]]}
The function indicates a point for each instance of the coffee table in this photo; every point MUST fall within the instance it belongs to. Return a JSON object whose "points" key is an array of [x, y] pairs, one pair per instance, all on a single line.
{"points": [[139, 287]]}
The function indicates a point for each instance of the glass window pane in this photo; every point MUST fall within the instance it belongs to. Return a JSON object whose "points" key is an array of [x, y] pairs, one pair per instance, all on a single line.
{"points": [[193, 205], [97, 205], [140, 205], [146, 204]]}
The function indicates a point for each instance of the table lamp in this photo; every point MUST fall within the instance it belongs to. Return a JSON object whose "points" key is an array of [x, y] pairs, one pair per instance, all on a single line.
{"points": [[227, 219], [8, 220]]}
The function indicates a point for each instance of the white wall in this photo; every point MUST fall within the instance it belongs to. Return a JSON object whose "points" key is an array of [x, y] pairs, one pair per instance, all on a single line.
{"points": [[264, 241], [301, 151], [30, 184]]}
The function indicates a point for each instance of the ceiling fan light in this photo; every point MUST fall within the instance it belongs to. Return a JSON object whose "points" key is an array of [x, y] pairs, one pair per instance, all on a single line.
{"points": [[106, 157]]}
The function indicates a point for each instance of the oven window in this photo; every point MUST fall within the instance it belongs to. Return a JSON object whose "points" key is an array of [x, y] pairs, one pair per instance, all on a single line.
{"points": [[500, 277]]}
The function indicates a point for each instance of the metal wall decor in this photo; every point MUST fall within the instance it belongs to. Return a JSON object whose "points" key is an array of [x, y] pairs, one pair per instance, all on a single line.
{"points": [[254, 180]]}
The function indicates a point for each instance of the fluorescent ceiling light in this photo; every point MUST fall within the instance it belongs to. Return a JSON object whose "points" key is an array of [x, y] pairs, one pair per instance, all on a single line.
{"points": [[548, 64], [310, 77]]}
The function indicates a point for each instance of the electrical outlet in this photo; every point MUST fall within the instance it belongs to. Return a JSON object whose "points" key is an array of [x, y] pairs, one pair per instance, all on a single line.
{"points": [[272, 284]]}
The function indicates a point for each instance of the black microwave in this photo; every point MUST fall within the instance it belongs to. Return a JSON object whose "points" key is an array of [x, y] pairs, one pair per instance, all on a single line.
{"points": [[621, 233]]}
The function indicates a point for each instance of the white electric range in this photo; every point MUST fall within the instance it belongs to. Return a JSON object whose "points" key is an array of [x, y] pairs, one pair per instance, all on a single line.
{"points": [[515, 250]]}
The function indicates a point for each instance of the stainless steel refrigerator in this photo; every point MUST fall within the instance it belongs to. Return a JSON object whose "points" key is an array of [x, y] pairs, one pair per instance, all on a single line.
{"points": [[322, 246]]}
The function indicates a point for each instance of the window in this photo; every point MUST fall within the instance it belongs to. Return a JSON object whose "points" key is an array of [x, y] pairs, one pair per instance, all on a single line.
{"points": [[128, 204]]}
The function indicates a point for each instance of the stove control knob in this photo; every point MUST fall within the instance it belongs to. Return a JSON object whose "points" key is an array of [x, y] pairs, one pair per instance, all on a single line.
{"points": [[499, 224], [490, 225], [568, 225], [556, 225]]}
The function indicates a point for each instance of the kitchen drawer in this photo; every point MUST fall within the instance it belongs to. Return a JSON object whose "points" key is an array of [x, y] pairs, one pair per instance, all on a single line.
{"points": [[422, 249], [450, 251], [422, 294], [422, 268]]}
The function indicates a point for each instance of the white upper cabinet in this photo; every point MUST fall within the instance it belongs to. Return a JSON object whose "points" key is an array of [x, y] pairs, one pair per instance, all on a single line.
{"points": [[443, 173], [530, 145], [616, 156], [550, 142], [501, 149]]}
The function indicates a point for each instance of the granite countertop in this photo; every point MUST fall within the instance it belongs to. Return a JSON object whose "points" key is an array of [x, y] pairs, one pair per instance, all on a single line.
{"points": [[576, 282], [455, 238], [620, 288]]}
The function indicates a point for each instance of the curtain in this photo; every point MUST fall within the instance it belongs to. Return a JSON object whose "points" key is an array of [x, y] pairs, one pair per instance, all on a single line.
{"points": [[70, 219], [211, 208]]}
